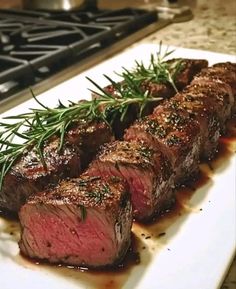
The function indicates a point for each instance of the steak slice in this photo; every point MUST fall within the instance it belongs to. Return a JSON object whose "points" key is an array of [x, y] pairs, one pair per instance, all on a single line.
{"points": [[220, 89], [226, 65], [89, 136], [224, 72], [189, 68], [29, 175], [173, 132], [147, 172], [84, 222], [219, 93], [202, 109]]}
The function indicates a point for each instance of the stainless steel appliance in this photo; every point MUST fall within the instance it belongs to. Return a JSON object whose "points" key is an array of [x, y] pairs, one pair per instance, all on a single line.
{"points": [[59, 4]]}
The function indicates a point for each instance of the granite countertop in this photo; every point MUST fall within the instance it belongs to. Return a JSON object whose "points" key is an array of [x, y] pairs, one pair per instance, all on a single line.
{"points": [[212, 28]]}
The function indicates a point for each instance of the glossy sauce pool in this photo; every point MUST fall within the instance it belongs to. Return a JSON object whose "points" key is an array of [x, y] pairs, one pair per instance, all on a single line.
{"points": [[147, 240]]}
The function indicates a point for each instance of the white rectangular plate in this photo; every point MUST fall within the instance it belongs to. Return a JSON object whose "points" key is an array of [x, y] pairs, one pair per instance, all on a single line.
{"points": [[197, 247]]}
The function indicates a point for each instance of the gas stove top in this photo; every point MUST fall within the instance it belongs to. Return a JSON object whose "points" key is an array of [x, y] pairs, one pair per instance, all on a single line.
{"points": [[35, 45]]}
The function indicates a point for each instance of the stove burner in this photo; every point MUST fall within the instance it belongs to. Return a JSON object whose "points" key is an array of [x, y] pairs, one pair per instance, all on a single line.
{"points": [[35, 45]]}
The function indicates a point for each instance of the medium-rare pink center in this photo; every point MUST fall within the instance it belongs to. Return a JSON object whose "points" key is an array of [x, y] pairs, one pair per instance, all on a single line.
{"points": [[63, 234], [141, 190]]}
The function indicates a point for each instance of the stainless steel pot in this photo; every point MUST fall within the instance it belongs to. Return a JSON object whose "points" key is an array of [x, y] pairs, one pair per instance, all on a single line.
{"points": [[59, 4]]}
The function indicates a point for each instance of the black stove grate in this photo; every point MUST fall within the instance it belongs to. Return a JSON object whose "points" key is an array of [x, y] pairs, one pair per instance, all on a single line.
{"points": [[36, 44]]}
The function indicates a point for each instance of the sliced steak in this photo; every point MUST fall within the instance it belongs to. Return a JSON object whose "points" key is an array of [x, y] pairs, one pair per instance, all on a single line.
{"points": [[173, 132], [29, 175], [147, 172], [83, 222]]}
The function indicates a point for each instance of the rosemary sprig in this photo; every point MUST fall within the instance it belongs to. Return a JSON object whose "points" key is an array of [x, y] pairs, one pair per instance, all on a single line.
{"points": [[38, 125], [46, 122], [158, 71]]}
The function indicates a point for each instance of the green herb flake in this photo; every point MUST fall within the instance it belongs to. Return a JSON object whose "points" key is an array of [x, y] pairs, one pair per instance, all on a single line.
{"points": [[173, 140], [175, 119], [156, 129], [83, 212], [106, 189], [146, 152], [117, 166], [115, 179]]}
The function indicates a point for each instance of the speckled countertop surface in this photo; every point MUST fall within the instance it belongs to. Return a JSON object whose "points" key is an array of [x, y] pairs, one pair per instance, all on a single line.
{"points": [[212, 28]]}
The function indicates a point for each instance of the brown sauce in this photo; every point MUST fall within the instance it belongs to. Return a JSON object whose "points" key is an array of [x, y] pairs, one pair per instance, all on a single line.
{"points": [[92, 279], [148, 239], [167, 225]]}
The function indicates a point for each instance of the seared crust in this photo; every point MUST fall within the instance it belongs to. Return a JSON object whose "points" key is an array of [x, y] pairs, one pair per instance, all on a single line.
{"points": [[88, 137], [30, 166], [202, 109], [134, 154], [224, 72], [190, 68], [175, 133], [90, 192], [29, 175]]}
